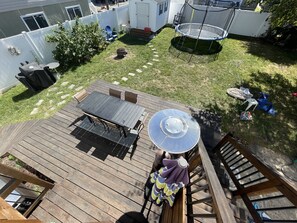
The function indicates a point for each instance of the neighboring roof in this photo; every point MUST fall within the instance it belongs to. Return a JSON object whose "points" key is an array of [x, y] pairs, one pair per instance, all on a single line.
{"points": [[10, 5]]}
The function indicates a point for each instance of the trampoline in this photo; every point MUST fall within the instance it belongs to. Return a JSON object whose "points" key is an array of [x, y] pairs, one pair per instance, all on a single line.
{"points": [[201, 31], [204, 24]]}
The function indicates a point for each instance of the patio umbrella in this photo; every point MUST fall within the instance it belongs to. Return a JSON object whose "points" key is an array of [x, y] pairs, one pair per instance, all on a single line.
{"points": [[168, 180], [174, 131]]}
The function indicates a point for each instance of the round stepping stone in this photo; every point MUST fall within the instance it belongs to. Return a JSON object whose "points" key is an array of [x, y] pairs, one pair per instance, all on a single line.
{"points": [[124, 79], [34, 111], [65, 96], [139, 71], [156, 55], [131, 74], [144, 66], [156, 59], [61, 102], [64, 83], [116, 82], [71, 86], [79, 88], [39, 102], [149, 64]]}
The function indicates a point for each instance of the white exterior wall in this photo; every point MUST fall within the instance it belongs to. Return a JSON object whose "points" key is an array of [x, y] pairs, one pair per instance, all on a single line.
{"points": [[156, 21]]}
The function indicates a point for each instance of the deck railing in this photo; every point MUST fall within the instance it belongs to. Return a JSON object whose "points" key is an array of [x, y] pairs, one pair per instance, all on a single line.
{"points": [[23, 197], [201, 169], [268, 196]]}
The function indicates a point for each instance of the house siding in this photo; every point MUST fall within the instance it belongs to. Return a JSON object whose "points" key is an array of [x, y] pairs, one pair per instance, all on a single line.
{"points": [[12, 24]]}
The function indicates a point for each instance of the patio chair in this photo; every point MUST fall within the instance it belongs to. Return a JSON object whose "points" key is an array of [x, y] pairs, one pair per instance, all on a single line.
{"points": [[131, 97], [80, 96], [111, 127], [115, 93]]}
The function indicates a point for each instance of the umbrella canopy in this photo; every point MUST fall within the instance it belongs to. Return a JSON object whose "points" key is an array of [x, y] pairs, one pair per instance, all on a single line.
{"points": [[168, 180], [174, 131]]}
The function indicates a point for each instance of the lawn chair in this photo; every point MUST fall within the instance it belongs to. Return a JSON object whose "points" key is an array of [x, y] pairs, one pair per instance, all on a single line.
{"points": [[115, 93], [110, 35], [131, 97]]}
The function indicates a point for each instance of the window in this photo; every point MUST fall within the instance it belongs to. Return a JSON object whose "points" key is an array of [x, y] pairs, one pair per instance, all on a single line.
{"points": [[74, 11], [160, 8], [166, 6], [35, 21]]}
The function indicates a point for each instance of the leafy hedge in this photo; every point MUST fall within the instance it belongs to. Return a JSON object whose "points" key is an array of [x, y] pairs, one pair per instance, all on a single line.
{"points": [[77, 45]]}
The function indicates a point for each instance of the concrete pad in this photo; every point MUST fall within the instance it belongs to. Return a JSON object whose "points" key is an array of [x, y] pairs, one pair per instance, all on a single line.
{"points": [[131, 74], [71, 86], [124, 78], [39, 102], [139, 71], [156, 55], [60, 92], [116, 83], [61, 102], [64, 83], [156, 59], [79, 88], [34, 111], [151, 64], [65, 96], [53, 89], [144, 66]]}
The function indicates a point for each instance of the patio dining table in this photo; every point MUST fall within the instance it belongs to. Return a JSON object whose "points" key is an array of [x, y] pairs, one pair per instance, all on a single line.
{"points": [[112, 109]]}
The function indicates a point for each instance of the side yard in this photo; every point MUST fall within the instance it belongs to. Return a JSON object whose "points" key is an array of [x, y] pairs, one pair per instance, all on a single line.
{"points": [[151, 68]]}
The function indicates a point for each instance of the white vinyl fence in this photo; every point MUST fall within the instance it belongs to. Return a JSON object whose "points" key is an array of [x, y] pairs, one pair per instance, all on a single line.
{"points": [[33, 47]]}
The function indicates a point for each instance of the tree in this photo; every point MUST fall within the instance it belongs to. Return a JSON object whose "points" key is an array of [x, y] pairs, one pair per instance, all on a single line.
{"points": [[77, 45], [283, 12]]}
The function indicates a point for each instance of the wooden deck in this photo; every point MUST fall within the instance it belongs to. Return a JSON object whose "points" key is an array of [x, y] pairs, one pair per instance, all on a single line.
{"points": [[94, 180]]}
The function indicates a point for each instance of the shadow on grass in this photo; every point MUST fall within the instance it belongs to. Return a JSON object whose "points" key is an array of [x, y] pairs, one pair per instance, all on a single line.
{"points": [[24, 95], [274, 132], [131, 40], [263, 49]]}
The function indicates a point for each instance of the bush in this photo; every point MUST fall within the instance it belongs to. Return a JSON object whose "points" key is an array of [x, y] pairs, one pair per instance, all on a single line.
{"points": [[77, 45]]}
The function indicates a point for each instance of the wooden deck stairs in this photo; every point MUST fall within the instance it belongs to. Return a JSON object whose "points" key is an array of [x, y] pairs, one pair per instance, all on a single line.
{"points": [[12, 134]]}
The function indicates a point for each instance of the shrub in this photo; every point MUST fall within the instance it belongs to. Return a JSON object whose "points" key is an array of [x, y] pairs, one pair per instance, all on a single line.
{"points": [[77, 45]]}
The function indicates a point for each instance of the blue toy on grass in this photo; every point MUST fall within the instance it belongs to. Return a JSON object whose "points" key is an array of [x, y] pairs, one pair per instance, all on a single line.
{"points": [[265, 105]]}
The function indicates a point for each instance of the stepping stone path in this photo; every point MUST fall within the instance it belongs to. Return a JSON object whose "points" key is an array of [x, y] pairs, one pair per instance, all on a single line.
{"points": [[71, 86], [64, 83], [124, 79], [131, 74], [156, 59], [61, 102], [116, 82], [65, 96], [79, 88], [144, 66], [39, 102], [53, 89], [139, 71], [156, 55], [60, 92], [149, 64], [34, 111]]}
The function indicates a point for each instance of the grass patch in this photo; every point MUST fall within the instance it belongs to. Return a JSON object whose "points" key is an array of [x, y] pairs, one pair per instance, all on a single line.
{"points": [[249, 63]]}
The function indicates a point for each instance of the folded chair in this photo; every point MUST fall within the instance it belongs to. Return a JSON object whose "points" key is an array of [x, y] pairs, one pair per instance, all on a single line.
{"points": [[110, 36]]}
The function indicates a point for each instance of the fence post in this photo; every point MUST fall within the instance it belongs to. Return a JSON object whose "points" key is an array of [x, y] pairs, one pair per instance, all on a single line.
{"points": [[35, 50]]}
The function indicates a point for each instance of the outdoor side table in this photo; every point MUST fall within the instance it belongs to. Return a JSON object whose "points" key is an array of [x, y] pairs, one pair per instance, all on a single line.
{"points": [[54, 66], [174, 131]]}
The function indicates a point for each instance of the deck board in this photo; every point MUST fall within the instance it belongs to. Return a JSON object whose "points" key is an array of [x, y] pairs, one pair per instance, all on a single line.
{"points": [[94, 180]]}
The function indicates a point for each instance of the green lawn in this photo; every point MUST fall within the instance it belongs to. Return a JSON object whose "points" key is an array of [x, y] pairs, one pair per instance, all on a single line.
{"points": [[259, 66]]}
